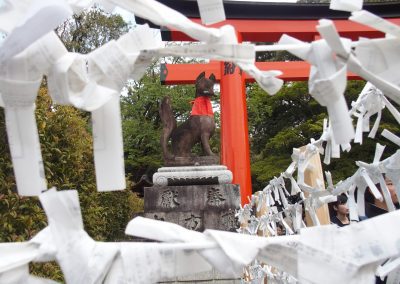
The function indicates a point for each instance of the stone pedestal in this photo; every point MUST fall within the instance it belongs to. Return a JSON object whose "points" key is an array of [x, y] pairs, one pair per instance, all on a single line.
{"points": [[195, 197], [195, 207]]}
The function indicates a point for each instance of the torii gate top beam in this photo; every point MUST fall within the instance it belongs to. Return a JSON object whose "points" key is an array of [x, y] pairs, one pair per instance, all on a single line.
{"points": [[266, 21], [282, 11], [272, 30]]}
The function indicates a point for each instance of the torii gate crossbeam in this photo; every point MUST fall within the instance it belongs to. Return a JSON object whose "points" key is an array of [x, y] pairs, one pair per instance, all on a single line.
{"points": [[178, 74]]}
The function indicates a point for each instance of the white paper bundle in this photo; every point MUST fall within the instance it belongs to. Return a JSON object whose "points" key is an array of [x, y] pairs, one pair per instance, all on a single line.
{"points": [[326, 84], [346, 5], [23, 21]]}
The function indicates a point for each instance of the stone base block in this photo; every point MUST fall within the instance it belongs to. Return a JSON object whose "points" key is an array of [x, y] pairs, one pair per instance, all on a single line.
{"points": [[212, 276], [210, 281], [191, 198], [199, 220]]}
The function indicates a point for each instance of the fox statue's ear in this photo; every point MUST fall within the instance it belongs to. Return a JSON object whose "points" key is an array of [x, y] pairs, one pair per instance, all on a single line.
{"points": [[212, 78], [202, 75]]}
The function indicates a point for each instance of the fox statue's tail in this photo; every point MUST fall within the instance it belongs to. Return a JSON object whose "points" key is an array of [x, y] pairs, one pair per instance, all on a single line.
{"points": [[169, 124]]}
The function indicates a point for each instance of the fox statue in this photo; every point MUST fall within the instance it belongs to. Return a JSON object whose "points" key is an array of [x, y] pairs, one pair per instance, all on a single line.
{"points": [[198, 128]]}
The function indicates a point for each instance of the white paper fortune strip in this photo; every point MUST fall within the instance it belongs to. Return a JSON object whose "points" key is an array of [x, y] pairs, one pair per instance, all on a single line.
{"points": [[241, 53], [391, 136], [110, 67], [108, 148], [332, 149], [326, 84], [211, 11], [357, 250], [20, 78], [376, 22], [340, 47], [369, 102], [391, 167], [346, 5], [380, 57], [23, 21], [361, 62], [162, 15], [349, 254], [19, 88]]}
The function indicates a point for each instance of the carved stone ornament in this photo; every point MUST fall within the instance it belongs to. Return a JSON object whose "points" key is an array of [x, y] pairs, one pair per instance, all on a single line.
{"points": [[215, 197], [192, 222], [169, 199], [199, 175]]}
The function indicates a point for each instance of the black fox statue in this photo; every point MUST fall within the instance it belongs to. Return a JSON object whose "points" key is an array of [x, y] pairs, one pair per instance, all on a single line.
{"points": [[198, 128]]}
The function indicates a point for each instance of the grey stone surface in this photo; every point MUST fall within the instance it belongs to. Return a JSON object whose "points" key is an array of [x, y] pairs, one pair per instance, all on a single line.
{"points": [[221, 276], [193, 220], [199, 220], [215, 281], [224, 220], [191, 198], [198, 276], [206, 277]]}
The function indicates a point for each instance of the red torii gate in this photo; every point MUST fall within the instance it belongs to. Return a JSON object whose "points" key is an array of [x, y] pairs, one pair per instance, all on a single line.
{"points": [[259, 22]]}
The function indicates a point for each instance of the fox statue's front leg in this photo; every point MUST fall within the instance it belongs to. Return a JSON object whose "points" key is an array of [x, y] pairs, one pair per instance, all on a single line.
{"points": [[207, 128]]}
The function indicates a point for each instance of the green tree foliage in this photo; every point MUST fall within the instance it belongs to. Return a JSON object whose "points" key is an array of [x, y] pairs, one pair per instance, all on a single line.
{"points": [[289, 120], [86, 31]]}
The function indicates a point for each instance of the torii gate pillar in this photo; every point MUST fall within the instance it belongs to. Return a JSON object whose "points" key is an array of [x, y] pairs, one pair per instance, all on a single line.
{"points": [[235, 151]]}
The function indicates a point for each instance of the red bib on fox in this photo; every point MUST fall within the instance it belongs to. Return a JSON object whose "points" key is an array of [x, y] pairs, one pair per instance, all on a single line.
{"points": [[202, 106]]}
